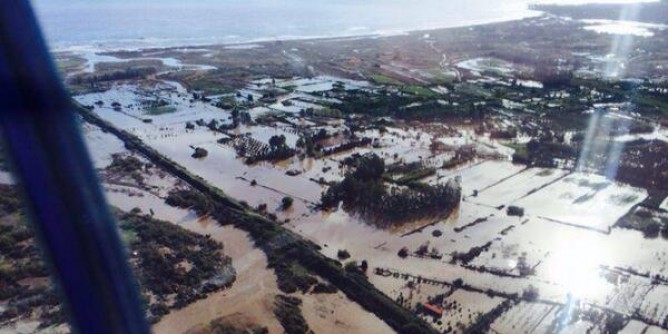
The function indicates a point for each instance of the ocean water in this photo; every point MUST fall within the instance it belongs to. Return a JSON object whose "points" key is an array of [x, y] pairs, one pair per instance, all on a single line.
{"points": [[131, 24]]}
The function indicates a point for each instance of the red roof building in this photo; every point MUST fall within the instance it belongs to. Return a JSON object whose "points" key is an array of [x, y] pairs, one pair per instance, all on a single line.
{"points": [[433, 309]]}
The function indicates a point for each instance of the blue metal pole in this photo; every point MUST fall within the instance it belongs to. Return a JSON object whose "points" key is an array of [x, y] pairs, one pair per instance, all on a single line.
{"points": [[58, 181]]}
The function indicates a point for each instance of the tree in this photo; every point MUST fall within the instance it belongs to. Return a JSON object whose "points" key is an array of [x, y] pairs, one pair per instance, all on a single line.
{"points": [[338, 86], [343, 254], [287, 202], [530, 293], [651, 229], [371, 167], [200, 153], [403, 253], [351, 267], [277, 141], [213, 124]]}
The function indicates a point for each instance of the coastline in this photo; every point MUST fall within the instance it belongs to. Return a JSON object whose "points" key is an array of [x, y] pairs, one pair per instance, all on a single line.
{"points": [[186, 44]]}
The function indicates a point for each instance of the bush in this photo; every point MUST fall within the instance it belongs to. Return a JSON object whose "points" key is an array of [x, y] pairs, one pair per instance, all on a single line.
{"points": [[403, 253], [351, 267], [325, 288], [288, 311], [530, 293], [190, 199], [364, 191], [650, 229], [287, 202], [343, 254], [200, 153]]}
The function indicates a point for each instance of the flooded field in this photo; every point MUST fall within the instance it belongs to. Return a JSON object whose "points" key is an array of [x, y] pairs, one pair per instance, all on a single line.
{"points": [[563, 245], [252, 296]]}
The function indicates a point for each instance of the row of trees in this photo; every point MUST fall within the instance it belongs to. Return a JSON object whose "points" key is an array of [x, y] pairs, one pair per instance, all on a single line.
{"points": [[364, 192], [256, 151]]}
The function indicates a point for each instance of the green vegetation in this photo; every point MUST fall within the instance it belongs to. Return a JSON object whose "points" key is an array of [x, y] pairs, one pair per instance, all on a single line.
{"points": [[286, 202], [521, 153], [381, 103], [126, 166], [256, 151], [97, 80], [229, 326], [279, 244], [288, 311], [364, 192], [544, 152], [322, 112], [172, 261], [209, 86], [155, 111], [343, 254], [651, 104], [650, 222], [20, 260], [385, 80], [292, 277], [169, 262], [325, 288], [200, 153], [419, 91], [193, 200], [416, 175], [157, 107]]}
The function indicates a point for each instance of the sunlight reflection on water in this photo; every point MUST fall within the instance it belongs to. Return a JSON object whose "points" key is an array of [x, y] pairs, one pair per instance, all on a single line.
{"points": [[575, 266]]}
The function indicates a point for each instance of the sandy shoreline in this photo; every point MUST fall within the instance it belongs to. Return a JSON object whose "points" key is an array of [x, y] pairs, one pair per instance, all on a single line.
{"points": [[184, 45]]}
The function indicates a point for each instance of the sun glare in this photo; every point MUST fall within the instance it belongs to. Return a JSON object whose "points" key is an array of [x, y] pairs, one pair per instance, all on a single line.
{"points": [[576, 267]]}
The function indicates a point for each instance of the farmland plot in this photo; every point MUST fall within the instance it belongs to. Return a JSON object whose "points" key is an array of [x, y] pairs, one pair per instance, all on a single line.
{"points": [[518, 186], [464, 307], [526, 317], [654, 305], [586, 200]]}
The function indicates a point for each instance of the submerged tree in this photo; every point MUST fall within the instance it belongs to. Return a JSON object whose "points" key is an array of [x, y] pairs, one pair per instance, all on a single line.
{"points": [[364, 192]]}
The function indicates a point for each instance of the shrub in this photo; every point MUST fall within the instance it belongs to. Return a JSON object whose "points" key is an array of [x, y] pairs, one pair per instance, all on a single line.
{"points": [[364, 266], [530, 293], [324, 288], [650, 229], [343, 254], [403, 253], [287, 202], [288, 311], [200, 153]]}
